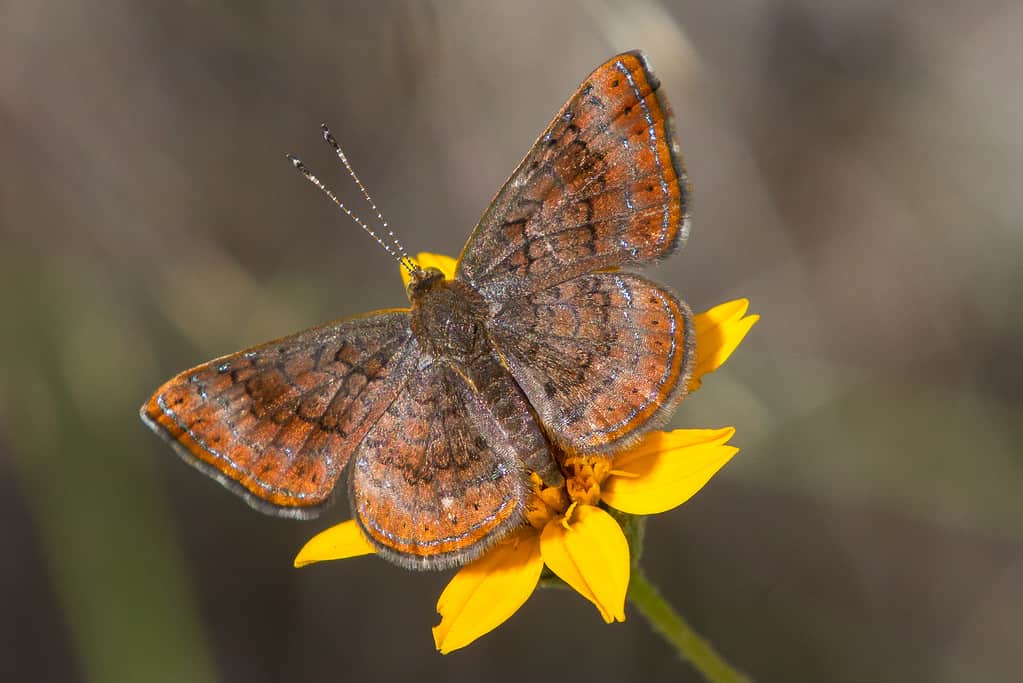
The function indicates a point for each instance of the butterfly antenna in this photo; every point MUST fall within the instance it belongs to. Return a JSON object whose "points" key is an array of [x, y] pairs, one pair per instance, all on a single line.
{"points": [[402, 258], [332, 141]]}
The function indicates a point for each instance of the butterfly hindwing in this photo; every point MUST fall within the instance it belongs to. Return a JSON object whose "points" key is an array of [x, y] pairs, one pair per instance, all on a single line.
{"points": [[604, 186], [441, 476], [602, 357], [277, 423]]}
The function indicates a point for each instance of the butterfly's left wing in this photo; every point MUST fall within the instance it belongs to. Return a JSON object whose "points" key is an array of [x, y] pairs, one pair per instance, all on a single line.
{"points": [[442, 475], [604, 186], [276, 423]]}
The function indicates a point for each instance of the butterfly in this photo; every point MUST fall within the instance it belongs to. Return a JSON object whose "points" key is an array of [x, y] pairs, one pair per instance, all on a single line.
{"points": [[542, 344]]}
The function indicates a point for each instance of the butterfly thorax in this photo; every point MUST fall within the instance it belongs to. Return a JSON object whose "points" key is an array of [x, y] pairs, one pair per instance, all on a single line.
{"points": [[448, 318]]}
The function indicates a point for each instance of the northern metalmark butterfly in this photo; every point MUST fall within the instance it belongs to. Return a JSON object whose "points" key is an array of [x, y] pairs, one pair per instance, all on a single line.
{"points": [[539, 345]]}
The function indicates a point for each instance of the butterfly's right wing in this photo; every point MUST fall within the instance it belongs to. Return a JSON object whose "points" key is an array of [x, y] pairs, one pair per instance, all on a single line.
{"points": [[603, 187], [602, 357], [277, 423]]}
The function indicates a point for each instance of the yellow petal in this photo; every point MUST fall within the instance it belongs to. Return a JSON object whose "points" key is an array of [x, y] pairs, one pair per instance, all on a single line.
{"points": [[484, 594], [425, 259], [718, 333], [336, 543], [592, 556], [665, 469]]}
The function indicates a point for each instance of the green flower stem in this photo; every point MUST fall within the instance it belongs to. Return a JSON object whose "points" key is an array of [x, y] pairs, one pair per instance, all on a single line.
{"points": [[674, 629]]}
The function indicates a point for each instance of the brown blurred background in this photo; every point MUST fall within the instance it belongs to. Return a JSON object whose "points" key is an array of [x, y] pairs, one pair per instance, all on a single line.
{"points": [[856, 167]]}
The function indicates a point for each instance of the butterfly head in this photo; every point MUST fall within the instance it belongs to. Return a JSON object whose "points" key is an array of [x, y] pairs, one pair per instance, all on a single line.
{"points": [[423, 280]]}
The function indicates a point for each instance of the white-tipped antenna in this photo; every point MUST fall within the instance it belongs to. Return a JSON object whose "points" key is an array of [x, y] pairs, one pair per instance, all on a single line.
{"points": [[400, 256], [332, 141]]}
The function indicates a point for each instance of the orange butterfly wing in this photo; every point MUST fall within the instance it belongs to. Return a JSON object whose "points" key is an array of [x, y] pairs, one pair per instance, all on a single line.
{"points": [[277, 423], [602, 357], [603, 187]]}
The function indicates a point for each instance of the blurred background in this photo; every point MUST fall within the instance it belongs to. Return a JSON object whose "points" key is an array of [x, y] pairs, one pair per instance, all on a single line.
{"points": [[855, 168]]}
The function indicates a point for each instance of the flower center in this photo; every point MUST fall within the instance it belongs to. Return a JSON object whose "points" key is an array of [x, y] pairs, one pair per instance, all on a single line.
{"points": [[545, 502], [583, 478]]}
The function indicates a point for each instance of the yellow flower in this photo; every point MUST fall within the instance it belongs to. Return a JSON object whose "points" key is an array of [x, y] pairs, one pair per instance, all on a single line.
{"points": [[718, 333], [569, 530], [578, 540]]}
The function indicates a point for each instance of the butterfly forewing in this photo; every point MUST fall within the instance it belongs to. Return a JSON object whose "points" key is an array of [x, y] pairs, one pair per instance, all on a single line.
{"points": [[601, 357], [604, 186], [277, 423]]}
